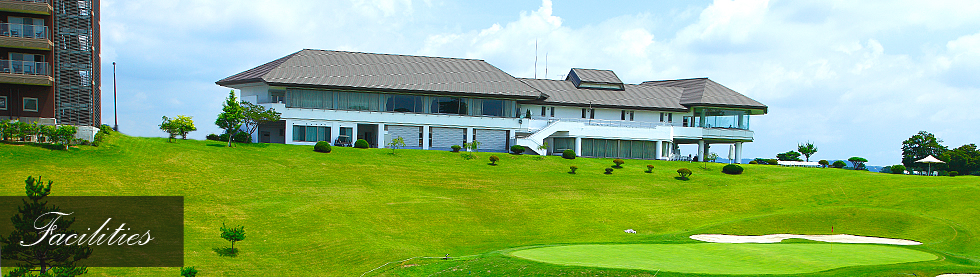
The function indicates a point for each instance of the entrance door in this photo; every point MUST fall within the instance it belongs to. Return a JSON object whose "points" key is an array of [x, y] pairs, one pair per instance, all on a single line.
{"points": [[265, 137]]}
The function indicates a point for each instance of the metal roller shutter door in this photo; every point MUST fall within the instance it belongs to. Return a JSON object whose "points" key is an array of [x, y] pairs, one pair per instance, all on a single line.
{"points": [[492, 140], [409, 133], [447, 137]]}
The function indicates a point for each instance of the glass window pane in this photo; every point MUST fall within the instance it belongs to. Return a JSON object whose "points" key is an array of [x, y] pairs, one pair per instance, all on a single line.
{"points": [[612, 148], [299, 133], [492, 107], [587, 145], [311, 133], [624, 148]]}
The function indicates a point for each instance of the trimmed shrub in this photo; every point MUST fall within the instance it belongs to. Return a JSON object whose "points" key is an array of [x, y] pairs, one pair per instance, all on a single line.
{"points": [[363, 144], [240, 137], [609, 170], [824, 163], [619, 163], [494, 159], [212, 137], [839, 164], [684, 172], [953, 173], [732, 169], [322, 147], [568, 154], [753, 162], [572, 168], [456, 148], [772, 161], [649, 168], [517, 149], [898, 169], [887, 169]]}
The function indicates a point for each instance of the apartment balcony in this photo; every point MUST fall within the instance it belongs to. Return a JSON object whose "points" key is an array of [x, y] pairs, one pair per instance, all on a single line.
{"points": [[25, 36], [26, 6], [25, 72]]}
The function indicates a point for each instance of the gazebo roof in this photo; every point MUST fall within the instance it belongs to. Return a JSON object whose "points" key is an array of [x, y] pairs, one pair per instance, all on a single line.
{"points": [[930, 160]]}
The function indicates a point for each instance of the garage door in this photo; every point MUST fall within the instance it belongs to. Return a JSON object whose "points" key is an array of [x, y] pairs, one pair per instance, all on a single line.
{"points": [[492, 140], [410, 134], [444, 138]]}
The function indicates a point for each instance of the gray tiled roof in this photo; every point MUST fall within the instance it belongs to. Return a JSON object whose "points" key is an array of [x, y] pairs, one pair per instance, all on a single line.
{"points": [[596, 76], [355, 70], [633, 96], [703, 91]]}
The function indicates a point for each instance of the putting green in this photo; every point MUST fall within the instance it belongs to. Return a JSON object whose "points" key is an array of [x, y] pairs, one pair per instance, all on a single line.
{"points": [[725, 258]]}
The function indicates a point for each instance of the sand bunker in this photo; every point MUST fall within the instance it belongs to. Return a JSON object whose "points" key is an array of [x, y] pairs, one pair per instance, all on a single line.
{"points": [[780, 237]]}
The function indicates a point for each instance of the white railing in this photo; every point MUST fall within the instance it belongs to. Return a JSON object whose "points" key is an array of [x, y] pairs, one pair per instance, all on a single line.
{"points": [[23, 30]]}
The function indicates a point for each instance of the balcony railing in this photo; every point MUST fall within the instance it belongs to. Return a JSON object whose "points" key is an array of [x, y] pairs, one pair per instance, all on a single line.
{"points": [[23, 30], [24, 67]]}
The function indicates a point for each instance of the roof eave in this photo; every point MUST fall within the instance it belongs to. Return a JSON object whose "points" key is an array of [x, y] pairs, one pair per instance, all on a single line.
{"points": [[406, 91]]}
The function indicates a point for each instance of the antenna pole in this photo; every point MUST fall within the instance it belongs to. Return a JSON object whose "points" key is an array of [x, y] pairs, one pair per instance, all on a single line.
{"points": [[535, 59], [546, 65], [115, 107]]}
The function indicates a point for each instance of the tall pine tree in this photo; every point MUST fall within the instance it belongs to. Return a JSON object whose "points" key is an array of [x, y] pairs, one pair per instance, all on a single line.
{"points": [[41, 259]]}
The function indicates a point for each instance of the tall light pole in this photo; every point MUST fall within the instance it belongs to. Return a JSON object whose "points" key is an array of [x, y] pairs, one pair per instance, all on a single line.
{"points": [[115, 108]]}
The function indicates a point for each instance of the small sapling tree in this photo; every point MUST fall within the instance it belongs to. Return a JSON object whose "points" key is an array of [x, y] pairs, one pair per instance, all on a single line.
{"points": [[395, 143], [494, 159], [233, 234]]}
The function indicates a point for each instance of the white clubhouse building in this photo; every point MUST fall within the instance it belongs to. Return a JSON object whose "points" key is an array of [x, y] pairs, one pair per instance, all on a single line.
{"points": [[435, 103]]}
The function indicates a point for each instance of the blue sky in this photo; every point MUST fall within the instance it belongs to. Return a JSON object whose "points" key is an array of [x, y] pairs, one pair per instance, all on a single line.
{"points": [[854, 77]]}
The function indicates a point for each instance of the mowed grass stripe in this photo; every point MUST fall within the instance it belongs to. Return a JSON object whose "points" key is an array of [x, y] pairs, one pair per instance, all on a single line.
{"points": [[723, 258]]}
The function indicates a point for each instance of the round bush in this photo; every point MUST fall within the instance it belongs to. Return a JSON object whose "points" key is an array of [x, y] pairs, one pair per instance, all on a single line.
{"points": [[517, 149], [456, 148], [839, 164], [733, 169], [898, 169], [619, 162], [684, 172], [494, 159], [753, 162], [322, 147], [363, 144], [609, 170], [568, 154]]}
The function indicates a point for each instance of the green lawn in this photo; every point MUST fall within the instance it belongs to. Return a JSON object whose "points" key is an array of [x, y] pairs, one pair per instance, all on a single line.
{"points": [[724, 258], [350, 211]]}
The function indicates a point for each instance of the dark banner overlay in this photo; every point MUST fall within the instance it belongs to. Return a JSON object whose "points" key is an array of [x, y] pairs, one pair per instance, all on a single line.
{"points": [[122, 231]]}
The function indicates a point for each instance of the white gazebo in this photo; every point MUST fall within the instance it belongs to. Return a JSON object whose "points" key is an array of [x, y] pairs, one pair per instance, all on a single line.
{"points": [[930, 160]]}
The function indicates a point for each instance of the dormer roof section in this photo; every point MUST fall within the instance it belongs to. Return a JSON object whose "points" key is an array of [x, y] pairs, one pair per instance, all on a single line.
{"points": [[594, 79], [708, 93]]}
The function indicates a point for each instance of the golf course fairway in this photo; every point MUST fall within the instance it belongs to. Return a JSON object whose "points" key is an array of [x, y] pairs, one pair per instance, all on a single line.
{"points": [[724, 258]]}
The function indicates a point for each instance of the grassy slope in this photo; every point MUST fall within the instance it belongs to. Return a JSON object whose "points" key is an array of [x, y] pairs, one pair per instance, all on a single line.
{"points": [[352, 210]]}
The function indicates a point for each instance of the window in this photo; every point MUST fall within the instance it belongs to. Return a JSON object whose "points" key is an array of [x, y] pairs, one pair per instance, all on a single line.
{"points": [[493, 107], [591, 113], [404, 103], [583, 112], [625, 114], [311, 133], [552, 111], [448, 105], [670, 117], [543, 110], [3, 103], [661, 117], [30, 104]]}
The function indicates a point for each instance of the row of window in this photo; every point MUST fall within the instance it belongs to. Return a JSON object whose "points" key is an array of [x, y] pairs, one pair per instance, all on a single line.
{"points": [[361, 101], [610, 148], [30, 104], [320, 133]]}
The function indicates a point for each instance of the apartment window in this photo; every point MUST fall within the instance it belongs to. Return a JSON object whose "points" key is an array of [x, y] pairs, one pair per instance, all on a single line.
{"points": [[543, 110], [661, 117], [591, 113], [30, 104], [311, 133], [3, 103], [670, 117], [626, 114], [448, 105], [583, 112], [552, 111], [404, 103]]}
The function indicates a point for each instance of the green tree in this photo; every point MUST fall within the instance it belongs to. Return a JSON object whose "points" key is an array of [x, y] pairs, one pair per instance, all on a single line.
{"points": [[919, 146], [964, 159], [233, 234], [232, 116], [256, 115], [807, 149], [858, 162], [49, 260], [472, 146], [395, 143], [789, 156], [178, 126], [64, 134]]}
